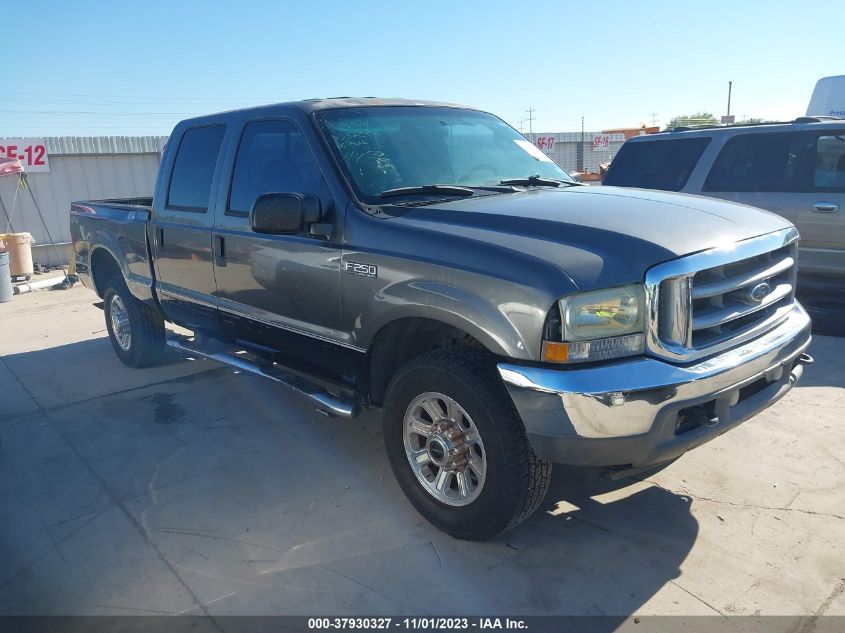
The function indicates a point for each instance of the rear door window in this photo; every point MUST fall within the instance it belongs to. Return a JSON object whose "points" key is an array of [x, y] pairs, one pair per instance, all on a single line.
{"points": [[829, 172], [665, 164], [193, 169], [762, 162]]}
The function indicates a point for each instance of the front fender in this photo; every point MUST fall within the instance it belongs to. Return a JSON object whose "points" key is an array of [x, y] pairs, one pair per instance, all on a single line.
{"points": [[510, 328]]}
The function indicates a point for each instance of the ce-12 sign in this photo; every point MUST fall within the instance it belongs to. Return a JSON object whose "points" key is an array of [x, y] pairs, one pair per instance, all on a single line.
{"points": [[32, 152]]}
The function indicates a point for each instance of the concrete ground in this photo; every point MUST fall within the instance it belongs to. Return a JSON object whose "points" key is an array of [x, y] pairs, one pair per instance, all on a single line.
{"points": [[190, 489]]}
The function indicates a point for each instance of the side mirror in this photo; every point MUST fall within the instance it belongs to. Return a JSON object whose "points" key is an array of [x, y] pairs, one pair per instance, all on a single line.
{"points": [[278, 213]]}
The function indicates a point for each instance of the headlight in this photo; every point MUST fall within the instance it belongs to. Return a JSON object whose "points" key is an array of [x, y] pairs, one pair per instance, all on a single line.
{"points": [[599, 325], [591, 315]]}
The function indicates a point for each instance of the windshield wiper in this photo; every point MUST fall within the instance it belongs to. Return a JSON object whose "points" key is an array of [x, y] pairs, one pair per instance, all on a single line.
{"points": [[536, 181], [495, 188], [449, 190]]}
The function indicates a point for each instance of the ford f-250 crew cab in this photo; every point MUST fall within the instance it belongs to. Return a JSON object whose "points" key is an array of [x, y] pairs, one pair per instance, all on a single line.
{"points": [[428, 260]]}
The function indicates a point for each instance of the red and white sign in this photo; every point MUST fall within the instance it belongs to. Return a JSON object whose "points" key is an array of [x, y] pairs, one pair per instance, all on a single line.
{"points": [[545, 143], [31, 152], [601, 142]]}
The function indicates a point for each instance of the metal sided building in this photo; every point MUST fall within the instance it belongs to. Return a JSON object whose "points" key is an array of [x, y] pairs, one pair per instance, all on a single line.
{"points": [[61, 169], [575, 151]]}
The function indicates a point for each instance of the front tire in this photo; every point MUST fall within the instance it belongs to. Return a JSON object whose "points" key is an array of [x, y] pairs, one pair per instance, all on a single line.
{"points": [[457, 445], [136, 332]]}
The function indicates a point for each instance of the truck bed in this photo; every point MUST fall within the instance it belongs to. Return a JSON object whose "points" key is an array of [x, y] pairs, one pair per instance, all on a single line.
{"points": [[125, 202], [117, 226]]}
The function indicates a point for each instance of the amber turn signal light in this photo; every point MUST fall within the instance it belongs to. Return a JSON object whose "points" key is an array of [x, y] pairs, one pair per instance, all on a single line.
{"points": [[555, 352]]}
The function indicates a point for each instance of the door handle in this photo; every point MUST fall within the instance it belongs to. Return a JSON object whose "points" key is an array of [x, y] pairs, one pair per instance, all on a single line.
{"points": [[161, 237], [825, 207], [219, 247]]}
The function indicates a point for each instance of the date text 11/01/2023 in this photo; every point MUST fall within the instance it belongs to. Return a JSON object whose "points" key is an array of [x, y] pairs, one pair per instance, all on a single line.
{"points": [[414, 624]]}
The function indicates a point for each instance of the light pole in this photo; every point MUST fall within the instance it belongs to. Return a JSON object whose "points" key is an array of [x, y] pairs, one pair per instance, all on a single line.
{"points": [[730, 85]]}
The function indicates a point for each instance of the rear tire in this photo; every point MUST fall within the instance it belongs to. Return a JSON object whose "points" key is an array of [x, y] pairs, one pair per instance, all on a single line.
{"points": [[136, 332], [494, 481]]}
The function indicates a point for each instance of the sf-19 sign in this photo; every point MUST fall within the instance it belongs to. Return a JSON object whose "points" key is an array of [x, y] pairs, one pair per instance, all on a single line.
{"points": [[32, 152]]}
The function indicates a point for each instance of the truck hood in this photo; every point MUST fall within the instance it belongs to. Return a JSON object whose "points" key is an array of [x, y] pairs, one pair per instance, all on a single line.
{"points": [[599, 236]]}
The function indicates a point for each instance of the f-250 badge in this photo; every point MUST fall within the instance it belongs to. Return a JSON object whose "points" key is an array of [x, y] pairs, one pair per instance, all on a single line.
{"points": [[362, 270]]}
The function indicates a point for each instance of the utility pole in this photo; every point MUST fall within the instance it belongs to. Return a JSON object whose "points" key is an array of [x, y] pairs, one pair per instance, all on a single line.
{"points": [[730, 85], [530, 112], [579, 152], [654, 118]]}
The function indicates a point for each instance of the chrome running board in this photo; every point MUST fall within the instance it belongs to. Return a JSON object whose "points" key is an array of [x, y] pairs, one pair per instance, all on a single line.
{"points": [[326, 403]]}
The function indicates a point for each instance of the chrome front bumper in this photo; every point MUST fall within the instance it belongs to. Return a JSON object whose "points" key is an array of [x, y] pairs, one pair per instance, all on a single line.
{"points": [[637, 412]]}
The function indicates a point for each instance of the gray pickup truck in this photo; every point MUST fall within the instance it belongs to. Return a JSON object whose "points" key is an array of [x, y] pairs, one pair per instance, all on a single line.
{"points": [[426, 259]]}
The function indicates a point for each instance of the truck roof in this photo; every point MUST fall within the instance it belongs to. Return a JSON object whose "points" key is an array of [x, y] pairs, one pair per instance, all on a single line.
{"points": [[332, 103]]}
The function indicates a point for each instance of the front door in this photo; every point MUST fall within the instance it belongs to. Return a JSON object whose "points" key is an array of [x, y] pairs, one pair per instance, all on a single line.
{"points": [[277, 290]]}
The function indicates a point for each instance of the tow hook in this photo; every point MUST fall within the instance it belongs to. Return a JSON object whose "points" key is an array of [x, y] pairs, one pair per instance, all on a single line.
{"points": [[806, 359]]}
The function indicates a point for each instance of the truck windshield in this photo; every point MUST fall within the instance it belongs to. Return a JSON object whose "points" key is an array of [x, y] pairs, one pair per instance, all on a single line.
{"points": [[389, 148]]}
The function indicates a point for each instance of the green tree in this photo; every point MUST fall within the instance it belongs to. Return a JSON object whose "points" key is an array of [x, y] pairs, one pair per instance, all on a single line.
{"points": [[688, 120], [753, 120]]}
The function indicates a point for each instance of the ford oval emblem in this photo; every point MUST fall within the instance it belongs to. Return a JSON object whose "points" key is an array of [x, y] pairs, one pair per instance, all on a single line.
{"points": [[760, 292]]}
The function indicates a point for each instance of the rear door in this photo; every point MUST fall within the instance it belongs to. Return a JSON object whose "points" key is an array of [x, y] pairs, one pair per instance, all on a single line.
{"points": [[181, 228], [821, 217], [277, 290]]}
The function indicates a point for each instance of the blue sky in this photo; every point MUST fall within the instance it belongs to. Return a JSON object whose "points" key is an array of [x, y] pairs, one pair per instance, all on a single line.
{"points": [[109, 68]]}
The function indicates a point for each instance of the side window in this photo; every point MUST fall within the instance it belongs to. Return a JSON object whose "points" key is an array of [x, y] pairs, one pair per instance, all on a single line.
{"points": [[190, 182], [273, 157], [829, 170], [761, 162], [664, 164]]}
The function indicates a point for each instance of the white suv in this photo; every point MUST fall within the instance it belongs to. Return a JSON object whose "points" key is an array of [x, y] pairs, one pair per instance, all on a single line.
{"points": [[796, 170]]}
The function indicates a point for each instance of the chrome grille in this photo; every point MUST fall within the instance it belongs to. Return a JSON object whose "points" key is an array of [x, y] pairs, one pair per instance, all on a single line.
{"points": [[713, 300], [722, 305]]}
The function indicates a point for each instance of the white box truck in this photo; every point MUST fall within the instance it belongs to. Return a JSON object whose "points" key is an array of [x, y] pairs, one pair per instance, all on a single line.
{"points": [[828, 97]]}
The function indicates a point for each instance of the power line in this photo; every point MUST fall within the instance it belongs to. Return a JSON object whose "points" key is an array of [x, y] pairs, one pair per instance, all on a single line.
{"points": [[97, 112], [135, 97]]}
